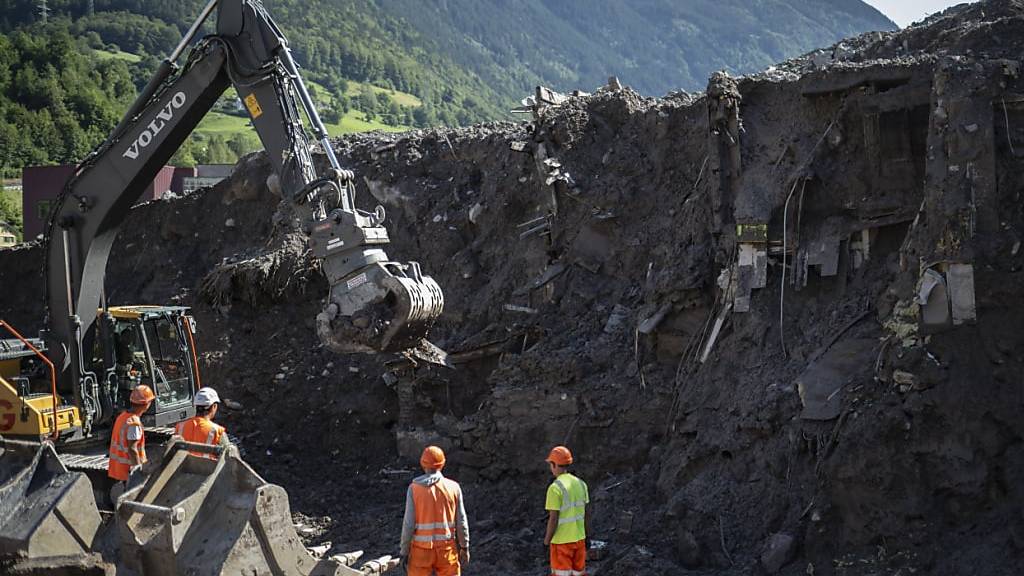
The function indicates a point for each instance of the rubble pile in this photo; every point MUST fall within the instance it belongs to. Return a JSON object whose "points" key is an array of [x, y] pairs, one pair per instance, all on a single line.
{"points": [[777, 321]]}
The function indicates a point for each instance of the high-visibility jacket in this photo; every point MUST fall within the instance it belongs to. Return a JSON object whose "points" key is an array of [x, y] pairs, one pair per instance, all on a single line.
{"points": [[435, 507], [200, 430], [121, 448], [569, 495]]}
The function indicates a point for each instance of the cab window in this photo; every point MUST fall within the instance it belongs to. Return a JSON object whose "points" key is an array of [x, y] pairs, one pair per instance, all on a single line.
{"points": [[169, 361]]}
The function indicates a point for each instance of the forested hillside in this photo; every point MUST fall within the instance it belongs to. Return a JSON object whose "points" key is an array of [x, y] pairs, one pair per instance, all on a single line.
{"points": [[469, 60], [56, 103], [69, 67]]}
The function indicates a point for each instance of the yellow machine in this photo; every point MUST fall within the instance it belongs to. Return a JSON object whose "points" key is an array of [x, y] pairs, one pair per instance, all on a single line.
{"points": [[22, 411], [152, 345]]}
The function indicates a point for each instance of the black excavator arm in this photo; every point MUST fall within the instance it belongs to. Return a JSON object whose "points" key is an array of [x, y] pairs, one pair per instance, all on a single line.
{"points": [[375, 305]]}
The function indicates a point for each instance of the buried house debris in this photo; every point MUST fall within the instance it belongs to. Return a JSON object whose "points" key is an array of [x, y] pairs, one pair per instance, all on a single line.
{"points": [[777, 321]]}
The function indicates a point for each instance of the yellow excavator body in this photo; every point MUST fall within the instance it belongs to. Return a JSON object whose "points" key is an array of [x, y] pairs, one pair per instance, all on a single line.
{"points": [[32, 415], [28, 414]]}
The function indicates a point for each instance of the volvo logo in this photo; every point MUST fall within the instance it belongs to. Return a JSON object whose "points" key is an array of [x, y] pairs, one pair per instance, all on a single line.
{"points": [[156, 126]]}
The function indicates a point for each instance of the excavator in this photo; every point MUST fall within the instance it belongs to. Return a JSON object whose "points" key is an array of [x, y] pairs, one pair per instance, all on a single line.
{"points": [[60, 392]]}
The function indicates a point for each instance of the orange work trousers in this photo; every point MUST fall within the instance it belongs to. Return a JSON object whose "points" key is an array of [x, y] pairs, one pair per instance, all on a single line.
{"points": [[443, 561], [569, 559]]}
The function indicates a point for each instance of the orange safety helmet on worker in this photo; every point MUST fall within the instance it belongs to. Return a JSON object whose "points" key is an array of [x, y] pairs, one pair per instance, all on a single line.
{"points": [[435, 531], [127, 439], [200, 429]]}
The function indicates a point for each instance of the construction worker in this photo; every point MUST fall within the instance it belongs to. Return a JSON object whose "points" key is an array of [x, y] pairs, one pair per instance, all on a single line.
{"points": [[435, 531], [568, 516], [200, 429], [128, 441]]}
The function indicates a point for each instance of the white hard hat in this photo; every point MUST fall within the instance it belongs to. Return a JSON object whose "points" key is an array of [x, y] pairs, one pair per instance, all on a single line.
{"points": [[206, 396]]}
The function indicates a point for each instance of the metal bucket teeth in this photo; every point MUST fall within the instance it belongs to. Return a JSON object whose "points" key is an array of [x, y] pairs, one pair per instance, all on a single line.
{"points": [[384, 307]]}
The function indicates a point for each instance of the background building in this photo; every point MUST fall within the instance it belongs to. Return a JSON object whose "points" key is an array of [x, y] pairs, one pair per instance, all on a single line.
{"points": [[206, 175], [7, 235], [41, 185]]}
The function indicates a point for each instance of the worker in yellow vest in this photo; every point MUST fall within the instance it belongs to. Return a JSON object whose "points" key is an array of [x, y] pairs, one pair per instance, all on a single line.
{"points": [[128, 441], [435, 531], [568, 516], [200, 429]]}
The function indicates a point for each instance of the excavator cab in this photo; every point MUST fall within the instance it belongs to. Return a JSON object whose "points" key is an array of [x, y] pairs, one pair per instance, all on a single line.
{"points": [[151, 345]]}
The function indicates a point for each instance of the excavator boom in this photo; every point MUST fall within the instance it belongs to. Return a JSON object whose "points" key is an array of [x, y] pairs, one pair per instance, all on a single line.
{"points": [[194, 515], [375, 304]]}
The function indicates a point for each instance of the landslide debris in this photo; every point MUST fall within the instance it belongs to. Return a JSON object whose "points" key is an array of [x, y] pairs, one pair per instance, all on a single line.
{"points": [[777, 322]]}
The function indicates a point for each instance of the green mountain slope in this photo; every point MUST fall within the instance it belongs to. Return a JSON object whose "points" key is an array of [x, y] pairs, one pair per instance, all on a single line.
{"points": [[469, 60], [654, 45]]}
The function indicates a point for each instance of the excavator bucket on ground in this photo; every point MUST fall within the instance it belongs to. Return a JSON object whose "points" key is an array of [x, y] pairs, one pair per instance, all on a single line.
{"points": [[204, 516], [47, 514]]}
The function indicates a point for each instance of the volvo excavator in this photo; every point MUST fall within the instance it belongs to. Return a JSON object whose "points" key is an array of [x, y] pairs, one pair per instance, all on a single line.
{"points": [[60, 392]]}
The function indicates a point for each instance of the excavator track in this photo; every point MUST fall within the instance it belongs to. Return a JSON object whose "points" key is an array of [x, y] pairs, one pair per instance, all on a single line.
{"points": [[91, 462]]}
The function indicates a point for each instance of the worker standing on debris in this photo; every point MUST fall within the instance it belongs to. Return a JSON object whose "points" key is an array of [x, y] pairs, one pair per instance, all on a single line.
{"points": [[435, 531], [200, 429], [568, 516], [128, 441]]}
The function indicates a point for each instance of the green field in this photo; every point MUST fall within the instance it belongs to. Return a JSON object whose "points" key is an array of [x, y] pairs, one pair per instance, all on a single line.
{"points": [[400, 98], [223, 124], [226, 125], [126, 56], [354, 89]]}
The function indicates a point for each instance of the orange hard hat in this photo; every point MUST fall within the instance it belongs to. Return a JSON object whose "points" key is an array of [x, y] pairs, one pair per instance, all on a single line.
{"points": [[433, 457], [142, 394], [560, 455]]}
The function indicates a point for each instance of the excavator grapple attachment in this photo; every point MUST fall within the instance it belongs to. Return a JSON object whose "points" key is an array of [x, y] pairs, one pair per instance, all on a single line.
{"points": [[46, 512], [375, 305], [382, 308], [201, 516]]}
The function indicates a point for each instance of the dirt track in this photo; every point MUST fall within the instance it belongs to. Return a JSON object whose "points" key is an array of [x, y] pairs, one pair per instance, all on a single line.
{"points": [[590, 330]]}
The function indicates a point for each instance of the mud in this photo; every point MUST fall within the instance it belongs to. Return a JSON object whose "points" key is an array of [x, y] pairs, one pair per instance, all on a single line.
{"points": [[717, 300]]}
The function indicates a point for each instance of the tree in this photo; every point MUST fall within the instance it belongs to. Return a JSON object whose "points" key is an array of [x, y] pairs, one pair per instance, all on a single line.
{"points": [[186, 155], [395, 115], [242, 143], [218, 151], [367, 102], [331, 114], [10, 210]]}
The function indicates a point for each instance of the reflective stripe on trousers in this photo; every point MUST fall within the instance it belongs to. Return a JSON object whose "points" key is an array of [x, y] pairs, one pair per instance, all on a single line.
{"points": [[568, 572]]}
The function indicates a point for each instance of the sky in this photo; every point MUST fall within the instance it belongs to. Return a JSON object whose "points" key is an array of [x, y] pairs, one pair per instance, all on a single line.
{"points": [[905, 12]]}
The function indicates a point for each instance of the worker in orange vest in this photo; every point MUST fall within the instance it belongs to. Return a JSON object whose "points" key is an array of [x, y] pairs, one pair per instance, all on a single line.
{"points": [[128, 441], [435, 531], [200, 428], [568, 516]]}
